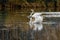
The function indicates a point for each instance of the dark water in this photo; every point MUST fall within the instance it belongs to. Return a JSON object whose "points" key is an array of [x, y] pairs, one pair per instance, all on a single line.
{"points": [[13, 20]]}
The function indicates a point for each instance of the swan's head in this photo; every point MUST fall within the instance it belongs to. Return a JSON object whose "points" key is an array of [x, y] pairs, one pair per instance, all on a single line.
{"points": [[36, 14]]}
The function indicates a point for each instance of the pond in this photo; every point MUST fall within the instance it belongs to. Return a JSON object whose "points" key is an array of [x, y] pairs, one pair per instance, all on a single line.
{"points": [[17, 28]]}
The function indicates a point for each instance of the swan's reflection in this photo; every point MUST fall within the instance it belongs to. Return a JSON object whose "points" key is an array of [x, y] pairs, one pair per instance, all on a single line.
{"points": [[38, 26]]}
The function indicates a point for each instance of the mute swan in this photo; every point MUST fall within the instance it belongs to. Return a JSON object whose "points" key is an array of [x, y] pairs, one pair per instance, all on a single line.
{"points": [[38, 19]]}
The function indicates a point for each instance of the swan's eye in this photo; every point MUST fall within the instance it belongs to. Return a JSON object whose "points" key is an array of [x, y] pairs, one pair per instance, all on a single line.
{"points": [[33, 18]]}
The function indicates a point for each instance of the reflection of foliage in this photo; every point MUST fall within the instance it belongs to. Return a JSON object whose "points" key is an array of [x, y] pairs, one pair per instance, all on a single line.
{"points": [[49, 32], [3, 1], [31, 1]]}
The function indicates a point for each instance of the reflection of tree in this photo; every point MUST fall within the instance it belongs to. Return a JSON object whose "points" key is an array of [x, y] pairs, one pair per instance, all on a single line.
{"points": [[31, 1], [3, 33], [2, 12]]}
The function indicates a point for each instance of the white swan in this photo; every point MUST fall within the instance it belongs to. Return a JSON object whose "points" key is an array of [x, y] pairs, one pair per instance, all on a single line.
{"points": [[38, 19]]}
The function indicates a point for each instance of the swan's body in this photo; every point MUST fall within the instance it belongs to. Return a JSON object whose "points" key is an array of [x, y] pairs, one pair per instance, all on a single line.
{"points": [[37, 22], [38, 18]]}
